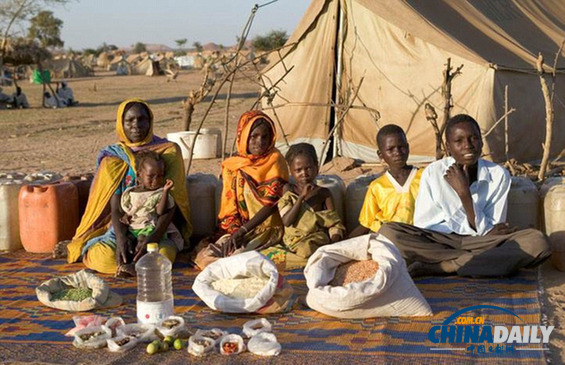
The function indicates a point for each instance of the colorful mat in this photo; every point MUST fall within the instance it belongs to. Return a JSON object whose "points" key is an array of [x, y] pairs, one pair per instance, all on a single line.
{"points": [[31, 332]]}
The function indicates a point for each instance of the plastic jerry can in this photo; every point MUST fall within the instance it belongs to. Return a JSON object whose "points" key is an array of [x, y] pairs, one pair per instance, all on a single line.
{"points": [[337, 189], [83, 184], [544, 189], [219, 189], [202, 199], [354, 198], [523, 203], [554, 208], [9, 219], [48, 214]]}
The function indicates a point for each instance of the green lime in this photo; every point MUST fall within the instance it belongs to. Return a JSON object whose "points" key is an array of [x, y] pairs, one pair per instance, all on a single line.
{"points": [[152, 348], [179, 344], [169, 340]]}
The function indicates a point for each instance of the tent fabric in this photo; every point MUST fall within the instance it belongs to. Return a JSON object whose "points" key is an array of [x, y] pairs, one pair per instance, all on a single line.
{"points": [[399, 50], [147, 67], [311, 81], [66, 68]]}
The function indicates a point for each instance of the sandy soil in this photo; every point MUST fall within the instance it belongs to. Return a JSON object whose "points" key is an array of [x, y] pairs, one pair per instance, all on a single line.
{"points": [[68, 140]]}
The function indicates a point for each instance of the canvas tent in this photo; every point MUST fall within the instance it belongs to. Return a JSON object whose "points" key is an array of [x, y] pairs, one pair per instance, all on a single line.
{"points": [[399, 48], [66, 68], [148, 67]]}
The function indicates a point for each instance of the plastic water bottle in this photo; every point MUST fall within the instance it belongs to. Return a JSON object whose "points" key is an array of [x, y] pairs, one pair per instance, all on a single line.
{"points": [[154, 288]]}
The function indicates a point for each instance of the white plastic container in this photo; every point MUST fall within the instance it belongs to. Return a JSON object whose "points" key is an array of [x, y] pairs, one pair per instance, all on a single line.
{"points": [[337, 189], [154, 287], [208, 144], [523, 203], [354, 198], [554, 207], [9, 218], [202, 199]]}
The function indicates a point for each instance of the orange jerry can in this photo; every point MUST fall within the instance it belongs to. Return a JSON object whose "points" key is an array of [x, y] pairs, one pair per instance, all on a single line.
{"points": [[83, 184], [48, 214]]}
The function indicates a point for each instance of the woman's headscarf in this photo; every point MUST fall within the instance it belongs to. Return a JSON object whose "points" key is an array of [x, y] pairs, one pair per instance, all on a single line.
{"points": [[112, 165], [265, 174]]}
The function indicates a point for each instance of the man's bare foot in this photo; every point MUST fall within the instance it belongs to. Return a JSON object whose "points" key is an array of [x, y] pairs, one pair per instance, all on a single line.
{"points": [[125, 271], [418, 268], [60, 251]]}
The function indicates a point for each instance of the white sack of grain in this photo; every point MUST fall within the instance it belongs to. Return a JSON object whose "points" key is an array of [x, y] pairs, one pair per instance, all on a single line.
{"points": [[391, 292], [245, 265]]}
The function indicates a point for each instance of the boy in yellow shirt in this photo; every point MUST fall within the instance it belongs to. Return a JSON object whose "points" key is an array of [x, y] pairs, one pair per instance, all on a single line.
{"points": [[391, 197]]}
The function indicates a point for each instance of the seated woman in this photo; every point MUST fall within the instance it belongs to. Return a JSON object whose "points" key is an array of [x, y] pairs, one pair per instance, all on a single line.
{"points": [[252, 185], [101, 238]]}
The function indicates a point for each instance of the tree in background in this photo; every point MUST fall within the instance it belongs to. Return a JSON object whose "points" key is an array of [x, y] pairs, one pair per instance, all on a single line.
{"points": [[105, 47], [139, 47], [197, 46], [181, 42], [25, 51], [13, 12], [274, 39], [46, 28]]}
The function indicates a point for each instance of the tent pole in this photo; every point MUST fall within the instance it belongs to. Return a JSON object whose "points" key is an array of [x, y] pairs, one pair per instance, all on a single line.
{"points": [[339, 70]]}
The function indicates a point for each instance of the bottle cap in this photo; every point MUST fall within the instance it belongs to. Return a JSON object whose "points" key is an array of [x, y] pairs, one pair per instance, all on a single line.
{"points": [[152, 247]]}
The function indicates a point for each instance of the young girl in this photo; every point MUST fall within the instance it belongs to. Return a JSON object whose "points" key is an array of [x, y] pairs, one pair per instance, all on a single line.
{"points": [[143, 205], [252, 185], [307, 210]]}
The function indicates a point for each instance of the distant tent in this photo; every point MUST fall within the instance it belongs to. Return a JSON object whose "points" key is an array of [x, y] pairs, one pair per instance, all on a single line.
{"points": [[133, 58], [185, 61], [124, 69], [399, 49], [103, 60], [121, 66], [148, 67], [66, 68]]}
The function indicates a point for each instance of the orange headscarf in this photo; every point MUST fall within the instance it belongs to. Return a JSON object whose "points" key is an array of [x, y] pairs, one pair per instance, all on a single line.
{"points": [[265, 174]]}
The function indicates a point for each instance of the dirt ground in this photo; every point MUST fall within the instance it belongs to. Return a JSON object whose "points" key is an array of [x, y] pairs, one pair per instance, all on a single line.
{"points": [[67, 141]]}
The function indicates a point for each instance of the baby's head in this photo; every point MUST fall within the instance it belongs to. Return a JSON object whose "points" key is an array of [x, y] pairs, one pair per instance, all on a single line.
{"points": [[150, 168], [392, 146], [302, 162]]}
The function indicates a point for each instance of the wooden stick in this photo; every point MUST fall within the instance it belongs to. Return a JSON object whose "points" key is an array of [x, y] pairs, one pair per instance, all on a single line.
{"points": [[549, 112], [227, 119], [270, 97], [448, 76], [338, 122], [431, 116], [512, 110]]}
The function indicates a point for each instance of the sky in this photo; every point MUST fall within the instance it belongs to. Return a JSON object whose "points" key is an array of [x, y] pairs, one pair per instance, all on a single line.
{"points": [[89, 23]]}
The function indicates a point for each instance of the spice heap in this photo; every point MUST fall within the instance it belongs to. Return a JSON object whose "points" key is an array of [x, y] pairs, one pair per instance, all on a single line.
{"points": [[354, 271]]}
